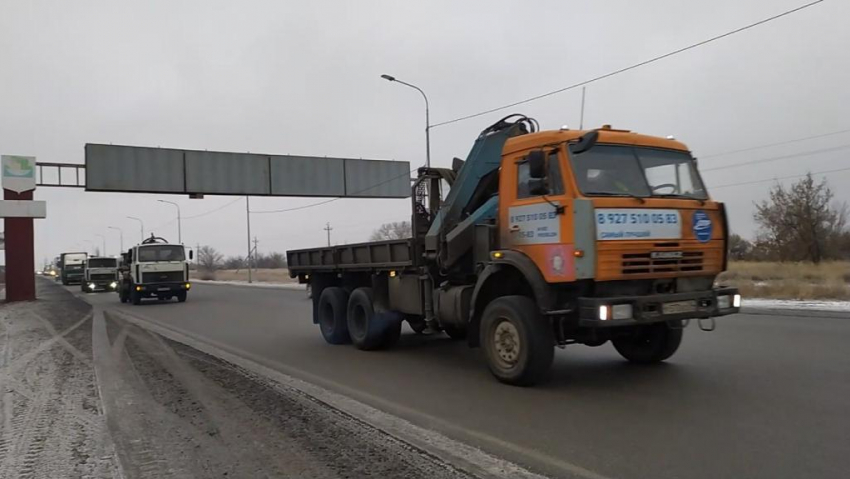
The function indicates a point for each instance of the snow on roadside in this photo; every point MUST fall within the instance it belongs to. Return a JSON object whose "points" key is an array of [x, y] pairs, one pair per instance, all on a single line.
{"points": [[254, 285], [808, 305]]}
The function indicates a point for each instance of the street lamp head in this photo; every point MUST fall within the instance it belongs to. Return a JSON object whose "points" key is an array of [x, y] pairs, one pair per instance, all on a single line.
{"points": [[388, 77]]}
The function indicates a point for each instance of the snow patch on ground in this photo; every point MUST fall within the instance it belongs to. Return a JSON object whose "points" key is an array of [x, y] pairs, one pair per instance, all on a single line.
{"points": [[807, 305], [255, 284]]}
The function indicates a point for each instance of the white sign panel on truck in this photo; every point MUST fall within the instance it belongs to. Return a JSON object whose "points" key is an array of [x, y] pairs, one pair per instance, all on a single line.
{"points": [[637, 224], [18, 173]]}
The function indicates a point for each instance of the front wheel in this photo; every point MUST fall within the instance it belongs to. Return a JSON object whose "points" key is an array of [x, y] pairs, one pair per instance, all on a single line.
{"points": [[181, 297], [648, 344], [517, 341], [135, 296]]}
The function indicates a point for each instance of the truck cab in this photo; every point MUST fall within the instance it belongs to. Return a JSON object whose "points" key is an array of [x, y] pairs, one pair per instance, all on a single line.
{"points": [[72, 267], [100, 274], [154, 269]]}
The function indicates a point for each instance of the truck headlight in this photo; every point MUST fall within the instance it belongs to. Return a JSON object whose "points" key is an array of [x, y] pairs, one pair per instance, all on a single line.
{"points": [[729, 301], [113, 285], [615, 312], [621, 311], [92, 286]]}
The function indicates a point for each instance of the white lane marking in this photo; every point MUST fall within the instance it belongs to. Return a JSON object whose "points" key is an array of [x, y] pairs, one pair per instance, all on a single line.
{"points": [[465, 456]]}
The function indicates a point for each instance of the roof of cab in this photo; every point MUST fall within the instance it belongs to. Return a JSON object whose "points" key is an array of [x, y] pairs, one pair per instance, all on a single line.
{"points": [[606, 135]]}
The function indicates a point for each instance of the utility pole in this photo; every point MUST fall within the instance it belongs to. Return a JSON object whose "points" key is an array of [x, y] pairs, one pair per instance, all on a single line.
{"points": [[103, 239], [255, 252], [248, 220], [141, 227], [120, 236], [581, 121], [197, 256], [179, 226], [328, 229]]}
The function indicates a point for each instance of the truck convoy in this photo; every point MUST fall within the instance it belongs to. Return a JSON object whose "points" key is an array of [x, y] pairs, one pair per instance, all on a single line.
{"points": [[71, 266], [544, 239], [100, 274], [154, 269]]}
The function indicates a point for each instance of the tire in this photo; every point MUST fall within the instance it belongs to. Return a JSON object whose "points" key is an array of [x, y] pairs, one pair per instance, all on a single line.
{"points": [[649, 344], [518, 343], [393, 332], [455, 333], [371, 330], [331, 313], [82, 287], [135, 296], [181, 297], [417, 324]]}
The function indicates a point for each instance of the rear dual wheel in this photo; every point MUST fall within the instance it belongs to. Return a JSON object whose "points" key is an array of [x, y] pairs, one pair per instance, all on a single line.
{"points": [[369, 329], [649, 344]]}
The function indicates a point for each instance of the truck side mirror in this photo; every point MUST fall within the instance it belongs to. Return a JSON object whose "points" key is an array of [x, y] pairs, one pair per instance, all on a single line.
{"points": [[536, 164], [191, 254]]}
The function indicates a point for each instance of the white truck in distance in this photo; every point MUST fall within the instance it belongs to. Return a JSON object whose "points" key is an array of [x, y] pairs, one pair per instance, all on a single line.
{"points": [[154, 269], [100, 274]]}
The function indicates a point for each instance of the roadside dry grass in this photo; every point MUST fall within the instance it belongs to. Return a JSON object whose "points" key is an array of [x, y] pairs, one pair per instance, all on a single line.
{"points": [[260, 275], [790, 280]]}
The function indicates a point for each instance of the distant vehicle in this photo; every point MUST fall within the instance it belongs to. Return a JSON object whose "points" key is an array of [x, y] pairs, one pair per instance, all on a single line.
{"points": [[72, 266], [545, 239], [154, 269], [100, 274]]}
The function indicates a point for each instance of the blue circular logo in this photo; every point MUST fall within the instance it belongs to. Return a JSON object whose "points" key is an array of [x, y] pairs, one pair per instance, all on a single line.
{"points": [[702, 226]]}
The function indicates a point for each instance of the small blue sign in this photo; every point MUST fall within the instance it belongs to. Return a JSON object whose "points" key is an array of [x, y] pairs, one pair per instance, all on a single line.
{"points": [[702, 226]]}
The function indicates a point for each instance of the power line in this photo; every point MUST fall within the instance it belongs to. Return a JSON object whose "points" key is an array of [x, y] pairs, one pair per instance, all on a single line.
{"points": [[632, 67], [213, 210], [332, 199], [825, 172], [796, 140], [775, 158]]}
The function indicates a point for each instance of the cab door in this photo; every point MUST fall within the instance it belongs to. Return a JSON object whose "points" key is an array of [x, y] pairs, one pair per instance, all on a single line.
{"points": [[535, 214]]}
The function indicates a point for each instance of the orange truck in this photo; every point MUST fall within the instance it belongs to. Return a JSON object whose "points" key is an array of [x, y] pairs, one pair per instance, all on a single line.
{"points": [[543, 239]]}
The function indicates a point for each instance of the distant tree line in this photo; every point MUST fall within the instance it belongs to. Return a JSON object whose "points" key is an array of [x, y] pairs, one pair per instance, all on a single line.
{"points": [[798, 223], [209, 259]]}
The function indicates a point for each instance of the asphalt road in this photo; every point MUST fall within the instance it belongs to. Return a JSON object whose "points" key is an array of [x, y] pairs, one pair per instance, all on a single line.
{"points": [[762, 396]]}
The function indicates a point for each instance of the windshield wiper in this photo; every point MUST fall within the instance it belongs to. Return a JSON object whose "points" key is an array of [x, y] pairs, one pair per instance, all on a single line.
{"points": [[642, 199], [677, 195]]}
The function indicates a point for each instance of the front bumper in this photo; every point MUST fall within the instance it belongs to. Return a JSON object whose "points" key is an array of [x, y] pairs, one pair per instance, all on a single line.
{"points": [[102, 285], [159, 289], [658, 307]]}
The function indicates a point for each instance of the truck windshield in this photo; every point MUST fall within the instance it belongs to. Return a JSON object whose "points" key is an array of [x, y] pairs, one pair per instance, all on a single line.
{"points": [[607, 170], [102, 263], [160, 253]]}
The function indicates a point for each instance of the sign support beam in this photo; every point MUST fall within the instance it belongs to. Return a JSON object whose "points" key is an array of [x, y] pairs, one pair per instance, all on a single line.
{"points": [[20, 254]]}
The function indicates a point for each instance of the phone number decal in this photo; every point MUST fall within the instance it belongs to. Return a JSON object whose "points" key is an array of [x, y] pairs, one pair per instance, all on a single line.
{"points": [[631, 224]]}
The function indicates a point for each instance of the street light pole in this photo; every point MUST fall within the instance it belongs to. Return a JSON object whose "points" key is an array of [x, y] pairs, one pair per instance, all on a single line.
{"points": [[103, 239], [120, 235], [141, 227], [427, 116], [179, 227]]}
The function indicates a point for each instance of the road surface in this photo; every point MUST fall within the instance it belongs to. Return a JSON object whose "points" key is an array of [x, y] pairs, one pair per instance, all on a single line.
{"points": [[762, 396]]}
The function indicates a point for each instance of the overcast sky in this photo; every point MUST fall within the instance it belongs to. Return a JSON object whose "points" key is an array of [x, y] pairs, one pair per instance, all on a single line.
{"points": [[303, 78]]}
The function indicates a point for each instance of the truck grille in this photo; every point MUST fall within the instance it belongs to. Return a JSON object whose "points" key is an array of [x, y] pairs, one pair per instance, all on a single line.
{"points": [[102, 277], [644, 263], [163, 277]]}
